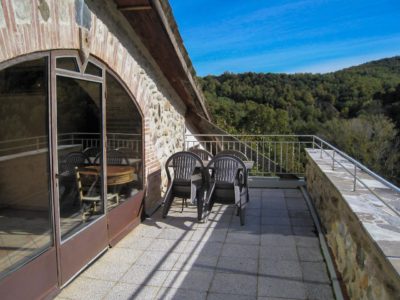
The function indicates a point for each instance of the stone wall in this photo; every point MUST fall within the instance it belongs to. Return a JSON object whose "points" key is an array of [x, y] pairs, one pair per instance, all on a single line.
{"points": [[97, 28], [365, 270]]}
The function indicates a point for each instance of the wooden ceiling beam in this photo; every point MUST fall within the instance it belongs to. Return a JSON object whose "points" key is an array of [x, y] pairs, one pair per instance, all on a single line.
{"points": [[135, 8]]}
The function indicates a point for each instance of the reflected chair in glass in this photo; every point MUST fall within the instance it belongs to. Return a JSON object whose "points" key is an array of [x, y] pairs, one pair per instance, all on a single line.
{"points": [[203, 154], [227, 184], [185, 183], [114, 157], [91, 153], [92, 201], [67, 173], [235, 153]]}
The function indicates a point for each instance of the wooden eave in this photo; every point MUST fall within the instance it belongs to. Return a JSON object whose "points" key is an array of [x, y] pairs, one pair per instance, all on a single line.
{"points": [[153, 22]]}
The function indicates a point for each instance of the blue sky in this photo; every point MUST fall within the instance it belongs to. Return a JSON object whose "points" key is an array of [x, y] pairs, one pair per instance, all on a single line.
{"points": [[315, 36]]}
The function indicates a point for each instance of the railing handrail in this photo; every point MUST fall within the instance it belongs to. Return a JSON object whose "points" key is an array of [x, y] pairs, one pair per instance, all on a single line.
{"points": [[357, 164], [322, 143]]}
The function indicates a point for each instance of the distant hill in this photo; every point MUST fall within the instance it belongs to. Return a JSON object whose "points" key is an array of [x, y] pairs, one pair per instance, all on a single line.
{"points": [[366, 96]]}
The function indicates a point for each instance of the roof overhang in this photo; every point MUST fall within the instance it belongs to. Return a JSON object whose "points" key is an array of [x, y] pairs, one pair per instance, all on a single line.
{"points": [[154, 23]]}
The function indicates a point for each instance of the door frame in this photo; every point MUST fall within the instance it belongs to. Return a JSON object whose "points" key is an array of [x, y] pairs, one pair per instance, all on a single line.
{"points": [[69, 264]]}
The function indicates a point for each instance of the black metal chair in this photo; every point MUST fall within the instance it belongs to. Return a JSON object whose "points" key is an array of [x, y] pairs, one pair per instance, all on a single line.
{"points": [[114, 157], [235, 153], [227, 184], [91, 153], [185, 184], [203, 154]]}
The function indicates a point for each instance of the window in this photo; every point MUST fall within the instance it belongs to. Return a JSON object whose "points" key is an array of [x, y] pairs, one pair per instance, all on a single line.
{"points": [[25, 223], [124, 141]]}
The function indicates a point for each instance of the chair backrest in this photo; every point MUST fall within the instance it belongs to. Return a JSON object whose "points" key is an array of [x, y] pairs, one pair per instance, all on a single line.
{"points": [[91, 153], [227, 168], [74, 159], [235, 153], [79, 184], [203, 154], [114, 157], [184, 164]]}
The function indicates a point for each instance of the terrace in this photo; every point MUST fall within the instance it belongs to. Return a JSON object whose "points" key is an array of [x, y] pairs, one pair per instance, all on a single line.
{"points": [[319, 225]]}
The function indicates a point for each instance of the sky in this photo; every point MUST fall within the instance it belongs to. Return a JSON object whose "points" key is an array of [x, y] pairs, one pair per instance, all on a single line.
{"points": [[316, 36]]}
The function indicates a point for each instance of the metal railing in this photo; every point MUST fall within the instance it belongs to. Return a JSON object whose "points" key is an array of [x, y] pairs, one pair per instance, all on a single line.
{"points": [[85, 139], [273, 155], [283, 155]]}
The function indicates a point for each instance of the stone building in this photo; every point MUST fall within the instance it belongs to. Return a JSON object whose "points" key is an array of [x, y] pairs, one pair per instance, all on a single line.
{"points": [[88, 90]]}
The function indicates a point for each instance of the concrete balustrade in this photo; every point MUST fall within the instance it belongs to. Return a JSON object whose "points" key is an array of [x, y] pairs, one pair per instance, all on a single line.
{"points": [[363, 233]]}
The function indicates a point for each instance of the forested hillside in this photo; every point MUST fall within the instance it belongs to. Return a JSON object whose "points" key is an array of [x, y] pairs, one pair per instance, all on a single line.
{"points": [[357, 109]]}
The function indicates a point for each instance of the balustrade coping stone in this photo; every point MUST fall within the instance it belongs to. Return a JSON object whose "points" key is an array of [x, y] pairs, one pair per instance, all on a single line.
{"points": [[380, 222]]}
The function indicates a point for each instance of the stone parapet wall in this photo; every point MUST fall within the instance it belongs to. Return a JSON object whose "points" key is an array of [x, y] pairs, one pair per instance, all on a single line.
{"points": [[365, 254]]}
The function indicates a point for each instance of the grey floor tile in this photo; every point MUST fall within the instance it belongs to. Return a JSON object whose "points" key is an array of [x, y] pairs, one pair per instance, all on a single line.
{"points": [[307, 241], [107, 270], [274, 205], [210, 234], [243, 238], [175, 234], [218, 259], [278, 253], [284, 269], [144, 275], [317, 291], [134, 242], [282, 288], [274, 298], [195, 261], [273, 239], [301, 222], [86, 288], [123, 255], [315, 272], [165, 245], [127, 291], [274, 213], [218, 296], [253, 212], [180, 294], [158, 259], [276, 221], [204, 248], [247, 228], [191, 280], [247, 266], [293, 193], [301, 205], [299, 213], [310, 253], [304, 231], [279, 229], [237, 284], [240, 251]]}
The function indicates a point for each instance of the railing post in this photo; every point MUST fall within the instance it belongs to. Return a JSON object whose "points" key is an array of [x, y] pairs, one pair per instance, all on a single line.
{"points": [[320, 155], [313, 142], [222, 146], [333, 160], [355, 178]]}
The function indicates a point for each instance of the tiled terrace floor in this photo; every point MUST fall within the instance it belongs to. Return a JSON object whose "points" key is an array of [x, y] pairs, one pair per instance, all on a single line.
{"points": [[275, 255]]}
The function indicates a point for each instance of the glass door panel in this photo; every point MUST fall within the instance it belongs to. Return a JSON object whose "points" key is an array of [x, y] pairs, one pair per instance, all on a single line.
{"points": [[79, 150], [124, 144], [25, 211]]}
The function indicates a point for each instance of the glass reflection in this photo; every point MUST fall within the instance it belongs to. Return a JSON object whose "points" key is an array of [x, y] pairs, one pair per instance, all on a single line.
{"points": [[79, 153], [25, 222], [124, 143]]}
